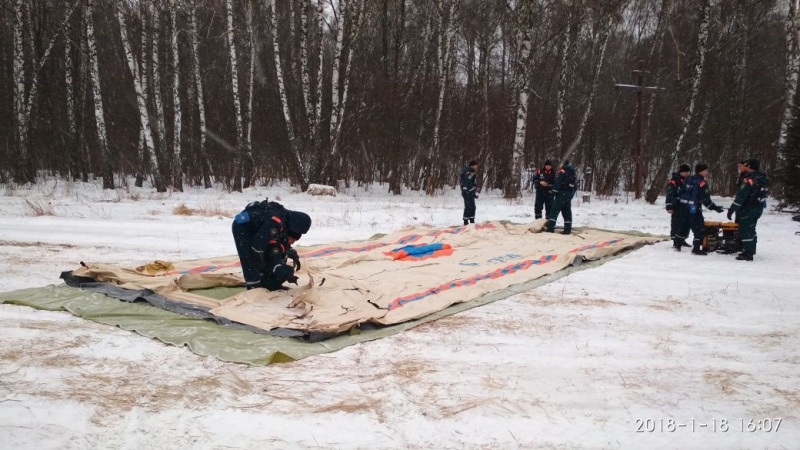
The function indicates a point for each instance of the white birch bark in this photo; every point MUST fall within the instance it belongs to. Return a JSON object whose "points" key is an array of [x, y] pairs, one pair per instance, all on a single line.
{"points": [[562, 85], [155, 10], [443, 66], [19, 83], [518, 153], [337, 66], [702, 47], [144, 120], [177, 166], [68, 78], [602, 45], [97, 96], [276, 49], [306, 70], [235, 90], [354, 28], [318, 97], [672, 157], [198, 81], [248, 145], [791, 74]]}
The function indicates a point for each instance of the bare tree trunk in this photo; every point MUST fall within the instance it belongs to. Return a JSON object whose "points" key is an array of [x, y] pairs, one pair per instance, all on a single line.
{"points": [[205, 163], [237, 172], [309, 107], [249, 175], [83, 149], [702, 47], [177, 165], [337, 67], [99, 116], [22, 174], [524, 36], [446, 32], [70, 94], [791, 75], [144, 120], [155, 10], [602, 44], [562, 84], [320, 28], [302, 171]]}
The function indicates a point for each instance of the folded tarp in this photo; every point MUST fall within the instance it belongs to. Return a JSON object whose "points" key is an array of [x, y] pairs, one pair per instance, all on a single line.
{"points": [[389, 280]]}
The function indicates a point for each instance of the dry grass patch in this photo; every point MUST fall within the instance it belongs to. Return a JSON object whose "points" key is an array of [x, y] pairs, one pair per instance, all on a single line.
{"points": [[183, 210], [215, 210], [726, 380], [38, 208], [350, 406]]}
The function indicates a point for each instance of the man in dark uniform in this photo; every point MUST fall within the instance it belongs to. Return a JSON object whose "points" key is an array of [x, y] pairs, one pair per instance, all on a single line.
{"points": [[748, 207], [264, 233], [563, 190], [469, 191], [674, 191], [695, 195], [543, 180]]}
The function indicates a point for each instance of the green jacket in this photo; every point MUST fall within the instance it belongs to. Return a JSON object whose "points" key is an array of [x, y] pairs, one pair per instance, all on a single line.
{"points": [[747, 196]]}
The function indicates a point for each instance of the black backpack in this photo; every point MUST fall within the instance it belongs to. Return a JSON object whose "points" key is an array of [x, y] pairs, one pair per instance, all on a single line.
{"points": [[762, 188]]}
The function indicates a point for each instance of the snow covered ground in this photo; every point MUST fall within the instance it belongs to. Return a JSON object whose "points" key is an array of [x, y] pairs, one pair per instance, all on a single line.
{"points": [[655, 349]]}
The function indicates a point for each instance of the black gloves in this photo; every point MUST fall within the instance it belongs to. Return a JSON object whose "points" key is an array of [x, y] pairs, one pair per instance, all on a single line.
{"points": [[476, 195], [292, 279], [669, 209], [730, 214], [292, 254], [717, 208]]}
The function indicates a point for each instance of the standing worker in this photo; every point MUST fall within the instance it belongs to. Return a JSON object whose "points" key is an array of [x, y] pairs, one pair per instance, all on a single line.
{"points": [[674, 191], [695, 195], [469, 191], [543, 180], [563, 190], [748, 206]]}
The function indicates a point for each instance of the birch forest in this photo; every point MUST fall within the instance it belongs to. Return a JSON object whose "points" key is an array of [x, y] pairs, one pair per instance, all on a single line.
{"points": [[232, 93]]}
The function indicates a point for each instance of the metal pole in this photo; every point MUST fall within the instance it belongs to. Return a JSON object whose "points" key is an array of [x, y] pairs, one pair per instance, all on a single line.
{"points": [[637, 150]]}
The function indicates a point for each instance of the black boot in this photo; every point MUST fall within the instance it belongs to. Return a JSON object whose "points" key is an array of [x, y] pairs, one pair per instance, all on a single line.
{"points": [[471, 220], [745, 256], [466, 222], [676, 244], [698, 250]]}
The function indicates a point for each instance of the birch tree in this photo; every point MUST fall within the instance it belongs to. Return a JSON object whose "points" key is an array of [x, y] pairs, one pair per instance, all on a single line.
{"points": [[144, 119], [154, 8], [69, 90], [22, 171], [237, 170], [302, 170], [524, 37], [702, 48], [791, 74], [601, 43], [177, 166], [446, 25], [198, 81], [97, 96]]}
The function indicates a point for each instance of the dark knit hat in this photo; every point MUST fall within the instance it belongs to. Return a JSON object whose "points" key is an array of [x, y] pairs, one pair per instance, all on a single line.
{"points": [[473, 163], [684, 168], [700, 167], [548, 162], [297, 224], [753, 164], [744, 161]]}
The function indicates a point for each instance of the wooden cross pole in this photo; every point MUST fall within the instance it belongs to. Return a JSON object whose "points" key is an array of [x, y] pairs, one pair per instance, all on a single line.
{"points": [[636, 153]]}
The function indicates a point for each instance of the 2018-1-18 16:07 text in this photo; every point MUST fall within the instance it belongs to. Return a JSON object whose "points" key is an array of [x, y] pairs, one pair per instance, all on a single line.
{"points": [[714, 425]]}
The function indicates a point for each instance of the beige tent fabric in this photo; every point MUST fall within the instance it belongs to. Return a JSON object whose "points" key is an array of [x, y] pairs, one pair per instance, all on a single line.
{"points": [[396, 278]]}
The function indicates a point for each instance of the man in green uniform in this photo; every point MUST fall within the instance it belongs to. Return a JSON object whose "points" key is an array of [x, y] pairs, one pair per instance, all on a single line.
{"points": [[674, 191], [748, 206], [563, 190], [695, 195]]}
